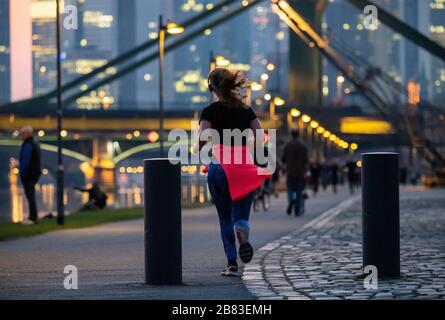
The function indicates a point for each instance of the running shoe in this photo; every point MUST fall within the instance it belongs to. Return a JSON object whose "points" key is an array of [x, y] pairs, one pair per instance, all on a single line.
{"points": [[230, 271], [245, 250]]}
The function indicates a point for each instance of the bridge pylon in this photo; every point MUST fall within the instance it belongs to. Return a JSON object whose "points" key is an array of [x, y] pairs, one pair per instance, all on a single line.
{"points": [[305, 63]]}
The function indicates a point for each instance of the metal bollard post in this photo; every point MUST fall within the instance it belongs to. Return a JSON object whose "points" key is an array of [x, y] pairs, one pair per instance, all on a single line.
{"points": [[163, 231], [380, 205]]}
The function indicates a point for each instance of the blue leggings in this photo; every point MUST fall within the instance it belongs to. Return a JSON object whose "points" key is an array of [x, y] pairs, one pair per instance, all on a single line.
{"points": [[232, 214]]}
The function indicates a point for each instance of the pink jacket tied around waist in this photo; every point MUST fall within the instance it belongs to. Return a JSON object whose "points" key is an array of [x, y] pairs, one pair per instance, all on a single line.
{"points": [[243, 176]]}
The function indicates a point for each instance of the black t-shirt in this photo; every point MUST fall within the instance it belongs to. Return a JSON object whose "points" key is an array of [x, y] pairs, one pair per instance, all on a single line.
{"points": [[223, 117]]}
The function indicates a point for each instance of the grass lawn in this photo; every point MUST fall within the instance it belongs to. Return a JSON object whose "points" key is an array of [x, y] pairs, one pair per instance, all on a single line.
{"points": [[74, 221]]}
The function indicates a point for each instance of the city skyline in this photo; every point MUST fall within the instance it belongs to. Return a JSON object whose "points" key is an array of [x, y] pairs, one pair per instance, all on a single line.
{"points": [[109, 29]]}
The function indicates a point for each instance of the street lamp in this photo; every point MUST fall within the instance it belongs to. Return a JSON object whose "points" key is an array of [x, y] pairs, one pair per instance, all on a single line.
{"points": [[306, 118], [60, 173], [340, 81], [295, 113], [172, 29], [275, 102], [255, 86], [222, 61]]}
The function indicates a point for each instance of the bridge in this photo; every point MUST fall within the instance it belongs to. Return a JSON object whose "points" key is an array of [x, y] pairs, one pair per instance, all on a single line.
{"points": [[388, 113]]}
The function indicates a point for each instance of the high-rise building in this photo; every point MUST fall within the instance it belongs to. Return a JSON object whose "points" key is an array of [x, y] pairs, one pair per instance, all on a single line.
{"points": [[5, 66], [83, 49], [437, 33], [92, 45], [251, 41]]}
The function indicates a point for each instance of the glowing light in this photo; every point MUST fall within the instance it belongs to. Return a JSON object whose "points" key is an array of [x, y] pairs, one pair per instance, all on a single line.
{"points": [[306, 118], [174, 28], [354, 146], [153, 136], [361, 125], [270, 67], [267, 97], [129, 136], [295, 113], [320, 130], [327, 134], [87, 169], [63, 133], [256, 86], [221, 61], [137, 134], [340, 79], [413, 89], [41, 133], [278, 101], [264, 77], [314, 124], [359, 164]]}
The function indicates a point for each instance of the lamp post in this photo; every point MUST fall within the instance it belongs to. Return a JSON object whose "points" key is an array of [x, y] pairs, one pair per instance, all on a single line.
{"points": [[276, 102], [253, 87], [60, 173], [212, 62], [305, 119], [170, 28]]}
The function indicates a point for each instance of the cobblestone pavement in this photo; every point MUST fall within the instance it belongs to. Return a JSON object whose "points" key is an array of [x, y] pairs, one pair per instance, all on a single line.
{"points": [[323, 259]]}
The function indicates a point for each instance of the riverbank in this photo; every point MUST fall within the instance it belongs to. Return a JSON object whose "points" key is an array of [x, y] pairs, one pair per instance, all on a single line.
{"points": [[77, 220]]}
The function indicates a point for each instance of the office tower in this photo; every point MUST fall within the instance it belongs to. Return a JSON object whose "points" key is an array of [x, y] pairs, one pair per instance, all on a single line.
{"points": [[437, 33]]}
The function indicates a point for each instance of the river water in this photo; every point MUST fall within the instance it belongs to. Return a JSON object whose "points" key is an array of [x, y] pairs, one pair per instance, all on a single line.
{"points": [[129, 190]]}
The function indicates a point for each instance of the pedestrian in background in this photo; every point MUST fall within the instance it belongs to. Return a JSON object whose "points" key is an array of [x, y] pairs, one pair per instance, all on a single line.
{"points": [[295, 165], [315, 170], [30, 171], [334, 175], [351, 174], [325, 175]]}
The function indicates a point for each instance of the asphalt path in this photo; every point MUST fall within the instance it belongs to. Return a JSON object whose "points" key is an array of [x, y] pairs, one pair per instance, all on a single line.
{"points": [[110, 258]]}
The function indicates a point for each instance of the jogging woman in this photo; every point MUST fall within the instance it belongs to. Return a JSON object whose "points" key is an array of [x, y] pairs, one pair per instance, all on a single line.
{"points": [[231, 185]]}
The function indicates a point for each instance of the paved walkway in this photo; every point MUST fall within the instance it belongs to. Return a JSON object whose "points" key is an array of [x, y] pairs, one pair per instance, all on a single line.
{"points": [[323, 259], [110, 258]]}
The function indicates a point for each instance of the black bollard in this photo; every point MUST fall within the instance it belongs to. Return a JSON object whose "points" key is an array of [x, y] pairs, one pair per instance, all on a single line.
{"points": [[380, 205], [163, 231]]}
